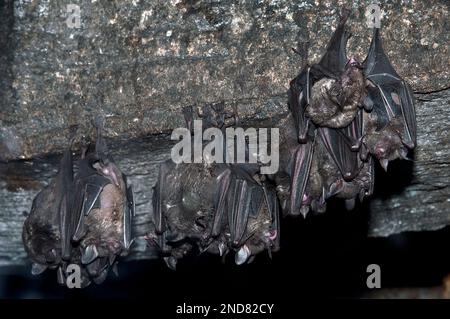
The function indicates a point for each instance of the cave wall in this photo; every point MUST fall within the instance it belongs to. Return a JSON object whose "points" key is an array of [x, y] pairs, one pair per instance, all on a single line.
{"points": [[137, 63]]}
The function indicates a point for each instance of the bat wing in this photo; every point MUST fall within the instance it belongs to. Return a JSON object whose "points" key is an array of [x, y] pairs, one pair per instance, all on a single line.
{"points": [[87, 197], [68, 217], [158, 192], [338, 146], [240, 201], [335, 58], [331, 65], [41, 232], [353, 133], [299, 91], [220, 199], [272, 203], [300, 167], [128, 214], [391, 95]]}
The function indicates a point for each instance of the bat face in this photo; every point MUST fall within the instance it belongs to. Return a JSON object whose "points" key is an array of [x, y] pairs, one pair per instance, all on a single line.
{"points": [[82, 218]]}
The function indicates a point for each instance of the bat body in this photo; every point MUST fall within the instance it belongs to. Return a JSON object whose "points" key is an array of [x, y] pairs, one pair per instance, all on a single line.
{"points": [[216, 207], [82, 217]]}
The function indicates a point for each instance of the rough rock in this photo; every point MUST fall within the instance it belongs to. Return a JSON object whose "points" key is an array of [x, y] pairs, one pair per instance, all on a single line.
{"points": [[138, 62]]}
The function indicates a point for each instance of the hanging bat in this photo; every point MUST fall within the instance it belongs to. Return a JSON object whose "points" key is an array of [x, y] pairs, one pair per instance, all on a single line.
{"points": [[82, 217], [215, 208], [349, 112]]}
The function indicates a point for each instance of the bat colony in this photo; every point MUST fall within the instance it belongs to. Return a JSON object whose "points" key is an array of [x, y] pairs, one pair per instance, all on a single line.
{"points": [[344, 116]]}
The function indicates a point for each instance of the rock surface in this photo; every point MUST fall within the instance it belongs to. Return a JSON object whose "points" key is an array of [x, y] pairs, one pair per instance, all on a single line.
{"points": [[137, 63]]}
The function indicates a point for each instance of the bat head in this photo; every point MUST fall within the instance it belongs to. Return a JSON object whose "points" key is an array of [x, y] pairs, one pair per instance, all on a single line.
{"points": [[353, 63], [108, 169], [386, 144], [353, 70]]}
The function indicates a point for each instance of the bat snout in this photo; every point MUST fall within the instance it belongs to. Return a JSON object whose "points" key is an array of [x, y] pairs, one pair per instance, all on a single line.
{"points": [[353, 62]]}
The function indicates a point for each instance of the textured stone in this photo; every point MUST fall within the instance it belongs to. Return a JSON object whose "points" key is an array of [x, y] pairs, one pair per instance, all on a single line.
{"points": [[138, 62]]}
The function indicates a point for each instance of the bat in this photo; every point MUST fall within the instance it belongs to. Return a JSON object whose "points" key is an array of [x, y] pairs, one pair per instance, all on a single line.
{"points": [[345, 115], [216, 208], [391, 126], [82, 217]]}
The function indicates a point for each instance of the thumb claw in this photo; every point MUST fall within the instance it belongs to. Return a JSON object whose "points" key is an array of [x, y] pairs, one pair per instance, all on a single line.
{"points": [[384, 163]]}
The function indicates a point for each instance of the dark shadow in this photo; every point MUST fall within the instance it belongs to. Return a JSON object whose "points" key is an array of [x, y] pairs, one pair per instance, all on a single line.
{"points": [[394, 181]]}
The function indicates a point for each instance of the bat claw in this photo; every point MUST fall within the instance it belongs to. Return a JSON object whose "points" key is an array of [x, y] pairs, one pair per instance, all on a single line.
{"points": [[222, 249], [304, 210], [335, 188]]}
